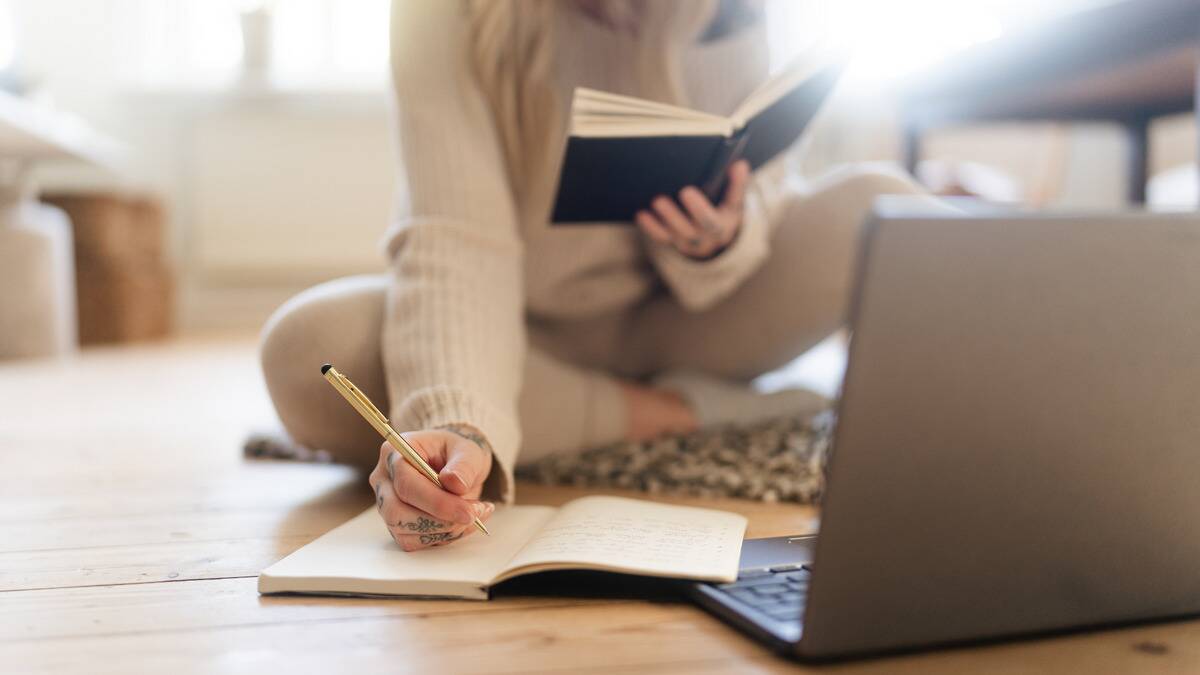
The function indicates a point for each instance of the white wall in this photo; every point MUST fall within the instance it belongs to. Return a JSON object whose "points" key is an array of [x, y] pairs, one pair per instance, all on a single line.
{"points": [[270, 190], [285, 192]]}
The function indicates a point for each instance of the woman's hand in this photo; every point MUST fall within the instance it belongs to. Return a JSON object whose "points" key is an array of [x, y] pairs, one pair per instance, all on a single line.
{"points": [[705, 230], [420, 514]]}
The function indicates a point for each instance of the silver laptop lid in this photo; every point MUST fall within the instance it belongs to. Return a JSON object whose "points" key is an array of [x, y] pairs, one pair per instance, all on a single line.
{"points": [[1018, 446]]}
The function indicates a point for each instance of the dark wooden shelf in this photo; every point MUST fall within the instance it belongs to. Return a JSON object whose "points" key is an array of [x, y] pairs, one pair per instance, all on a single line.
{"points": [[1125, 62]]}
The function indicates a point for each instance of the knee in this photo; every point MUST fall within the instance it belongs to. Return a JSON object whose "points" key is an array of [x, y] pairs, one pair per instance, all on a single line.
{"points": [[839, 202], [292, 337], [858, 185], [350, 308], [287, 345], [339, 322]]}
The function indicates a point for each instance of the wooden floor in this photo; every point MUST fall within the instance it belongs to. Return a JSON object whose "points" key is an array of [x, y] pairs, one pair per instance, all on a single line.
{"points": [[131, 531]]}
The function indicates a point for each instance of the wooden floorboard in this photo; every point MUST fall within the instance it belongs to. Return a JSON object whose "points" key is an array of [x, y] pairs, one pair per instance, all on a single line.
{"points": [[144, 609], [131, 531]]}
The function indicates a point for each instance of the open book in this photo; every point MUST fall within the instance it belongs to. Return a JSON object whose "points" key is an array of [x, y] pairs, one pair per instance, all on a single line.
{"points": [[592, 533], [624, 151]]}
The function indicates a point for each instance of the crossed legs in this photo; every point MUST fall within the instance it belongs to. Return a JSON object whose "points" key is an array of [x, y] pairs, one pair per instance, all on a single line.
{"points": [[341, 322]]}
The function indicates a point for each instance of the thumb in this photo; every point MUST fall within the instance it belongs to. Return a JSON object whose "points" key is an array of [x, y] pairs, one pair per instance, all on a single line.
{"points": [[466, 467], [735, 192]]}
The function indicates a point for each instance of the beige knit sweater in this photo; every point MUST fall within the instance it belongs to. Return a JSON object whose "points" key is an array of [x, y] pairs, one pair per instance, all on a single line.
{"points": [[468, 270]]}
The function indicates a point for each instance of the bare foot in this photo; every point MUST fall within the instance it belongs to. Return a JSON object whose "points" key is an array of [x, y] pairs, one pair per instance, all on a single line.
{"points": [[656, 412]]}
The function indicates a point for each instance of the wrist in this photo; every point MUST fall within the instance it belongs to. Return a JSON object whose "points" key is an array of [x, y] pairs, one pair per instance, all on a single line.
{"points": [[468, 432], [716, 253]]}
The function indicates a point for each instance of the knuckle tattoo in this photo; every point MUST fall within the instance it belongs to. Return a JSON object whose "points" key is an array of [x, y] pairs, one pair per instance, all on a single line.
{"points": [[439, 538], [421, 525]]}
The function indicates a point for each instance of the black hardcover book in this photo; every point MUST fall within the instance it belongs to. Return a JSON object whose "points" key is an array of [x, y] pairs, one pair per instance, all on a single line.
{"points": [[624, 151]]}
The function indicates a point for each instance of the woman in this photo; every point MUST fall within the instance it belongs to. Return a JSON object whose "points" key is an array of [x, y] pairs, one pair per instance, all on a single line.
{"points": [[495, 331]]}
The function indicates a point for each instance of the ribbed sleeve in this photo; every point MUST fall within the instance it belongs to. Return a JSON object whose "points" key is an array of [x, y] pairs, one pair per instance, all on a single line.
{"points": [[453, 343]]}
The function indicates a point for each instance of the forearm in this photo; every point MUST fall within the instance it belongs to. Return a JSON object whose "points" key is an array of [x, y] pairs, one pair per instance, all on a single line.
{"points": [[454, 338]]}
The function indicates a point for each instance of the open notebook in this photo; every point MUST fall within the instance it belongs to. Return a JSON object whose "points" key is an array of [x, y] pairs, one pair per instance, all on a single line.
{"points": [[624, 151], [592, 533]]}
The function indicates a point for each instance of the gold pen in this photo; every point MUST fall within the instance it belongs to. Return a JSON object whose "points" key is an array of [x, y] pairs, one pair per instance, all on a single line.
{"points": [[371, 414]]}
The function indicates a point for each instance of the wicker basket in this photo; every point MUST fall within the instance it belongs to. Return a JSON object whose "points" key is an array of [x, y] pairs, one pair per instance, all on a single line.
{"points": [[126, 289]]}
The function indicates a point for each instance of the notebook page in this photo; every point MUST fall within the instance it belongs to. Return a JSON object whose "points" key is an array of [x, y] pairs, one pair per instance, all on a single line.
{"points": [[360, 557], [637, 536]]}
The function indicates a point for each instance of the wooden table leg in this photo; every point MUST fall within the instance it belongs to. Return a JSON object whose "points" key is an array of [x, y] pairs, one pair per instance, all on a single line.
{"points": [[1138, 132], [911, 146]]}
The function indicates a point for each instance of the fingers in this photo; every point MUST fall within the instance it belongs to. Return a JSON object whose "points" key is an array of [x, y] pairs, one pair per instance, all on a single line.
{"points": [[683, 232], [704, 230], [408, 526], [654, 228], [701, 211], [420, 540], [411, 528], [669, 226], [718, 228], [735, 192], [403, 518], [416, 490], [467, 466], [416, 542]]}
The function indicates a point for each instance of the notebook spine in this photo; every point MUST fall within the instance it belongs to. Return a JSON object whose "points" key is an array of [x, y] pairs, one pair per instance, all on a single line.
{"points": [[728, 152]]}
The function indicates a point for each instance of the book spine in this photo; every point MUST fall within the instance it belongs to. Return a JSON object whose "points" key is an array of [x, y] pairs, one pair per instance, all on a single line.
{"points": [[717, 174]]}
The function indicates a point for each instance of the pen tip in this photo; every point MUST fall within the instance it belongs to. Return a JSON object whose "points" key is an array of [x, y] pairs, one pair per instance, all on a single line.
{"points": [[325, 368]]}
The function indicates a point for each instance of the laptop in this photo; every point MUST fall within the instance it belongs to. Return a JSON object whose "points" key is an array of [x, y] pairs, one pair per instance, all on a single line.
{"points": [[1017, 447]]}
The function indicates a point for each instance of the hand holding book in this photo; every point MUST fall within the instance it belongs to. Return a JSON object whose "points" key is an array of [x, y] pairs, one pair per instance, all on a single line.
{"points": [[705, 229], [622, 151]]}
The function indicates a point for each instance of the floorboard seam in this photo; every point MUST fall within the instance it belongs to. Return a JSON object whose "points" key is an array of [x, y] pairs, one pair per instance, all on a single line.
{"points": [[126, 583], [164, 543], [259, 624]]}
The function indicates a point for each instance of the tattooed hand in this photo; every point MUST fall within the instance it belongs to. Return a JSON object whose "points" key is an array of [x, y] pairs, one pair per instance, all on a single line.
{"points": [[706, 229], [418, 513]]}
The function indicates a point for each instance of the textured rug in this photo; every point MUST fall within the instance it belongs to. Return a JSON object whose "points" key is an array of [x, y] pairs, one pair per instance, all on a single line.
{"points": [[777, 461], [277, 445], [780, 460]]}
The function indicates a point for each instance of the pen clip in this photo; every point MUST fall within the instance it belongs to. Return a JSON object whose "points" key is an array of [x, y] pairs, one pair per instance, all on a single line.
{"points": [[362, 398]]}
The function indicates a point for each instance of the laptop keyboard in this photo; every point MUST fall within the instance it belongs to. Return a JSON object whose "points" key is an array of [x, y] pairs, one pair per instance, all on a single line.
{"points": [[778, 592]]}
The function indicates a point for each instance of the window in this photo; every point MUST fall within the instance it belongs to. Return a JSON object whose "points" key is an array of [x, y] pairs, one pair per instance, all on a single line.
{"points": [[893, 39], [166, 42]]}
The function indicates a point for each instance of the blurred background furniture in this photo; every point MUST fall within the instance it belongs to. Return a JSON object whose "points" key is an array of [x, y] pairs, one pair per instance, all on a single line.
{"points": [[125, 287], [1127, 62], [37, 287]]}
